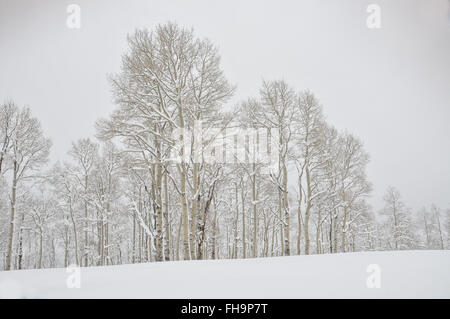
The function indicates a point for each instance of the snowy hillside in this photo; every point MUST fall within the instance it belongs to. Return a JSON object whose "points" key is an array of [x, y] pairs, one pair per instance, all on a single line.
{"points": [[405, 274]]}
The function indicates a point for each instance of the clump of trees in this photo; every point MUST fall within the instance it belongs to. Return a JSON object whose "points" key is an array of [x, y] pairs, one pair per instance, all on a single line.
{"points": [[124, 198]]}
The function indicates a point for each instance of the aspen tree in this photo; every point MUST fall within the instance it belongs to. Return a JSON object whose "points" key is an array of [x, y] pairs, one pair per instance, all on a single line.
{"points": [[29, 150]]}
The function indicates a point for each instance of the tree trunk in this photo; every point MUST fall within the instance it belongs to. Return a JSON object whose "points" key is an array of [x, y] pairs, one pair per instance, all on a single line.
{"points": [[202, 226], [235, 242], [180, 224], [335, 234], [214, 240], [183, 174], [426, 230], [344, 231], [41, 235], [133, 253], [194, 211], [307, 211], [159, 217], [166, 220], [186, 250], [299, 218], [11, 221], [20, 257], [439, 228], [287, 249], [86, 235], [244, 253], [74, 231], [255, 217]]}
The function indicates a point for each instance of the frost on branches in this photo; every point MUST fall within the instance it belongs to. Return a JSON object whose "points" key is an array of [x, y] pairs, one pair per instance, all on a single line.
{"points": [[155, 185]]}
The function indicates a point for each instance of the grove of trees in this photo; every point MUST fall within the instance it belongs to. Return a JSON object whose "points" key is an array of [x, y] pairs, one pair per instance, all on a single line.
{"points": [[139, 191]]}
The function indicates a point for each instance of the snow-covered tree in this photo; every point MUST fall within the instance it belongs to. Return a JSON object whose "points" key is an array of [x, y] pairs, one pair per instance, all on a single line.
{"points": [[399, 222]]}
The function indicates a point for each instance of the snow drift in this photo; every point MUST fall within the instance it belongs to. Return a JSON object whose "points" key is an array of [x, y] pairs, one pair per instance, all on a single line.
{"points": [[402, 274]]}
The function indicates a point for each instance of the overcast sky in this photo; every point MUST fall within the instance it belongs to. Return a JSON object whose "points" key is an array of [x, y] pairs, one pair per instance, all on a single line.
{"points": [[390, 86]]}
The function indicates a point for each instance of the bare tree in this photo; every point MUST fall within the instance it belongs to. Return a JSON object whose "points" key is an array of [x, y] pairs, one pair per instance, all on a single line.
{"points": [[29, 150], [84, 154], [309, 140], [8, 123], [399, 220], [170, 79]]}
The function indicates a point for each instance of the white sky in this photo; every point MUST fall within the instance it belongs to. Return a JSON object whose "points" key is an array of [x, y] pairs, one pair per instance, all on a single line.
{"points": [[389, 86]]}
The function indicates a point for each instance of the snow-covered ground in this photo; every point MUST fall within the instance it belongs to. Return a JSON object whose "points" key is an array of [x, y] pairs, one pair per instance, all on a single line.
{"points": [[405, 274]]}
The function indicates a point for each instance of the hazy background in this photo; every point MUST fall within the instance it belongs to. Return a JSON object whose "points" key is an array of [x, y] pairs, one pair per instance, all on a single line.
{"points": [[389, 86]]}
